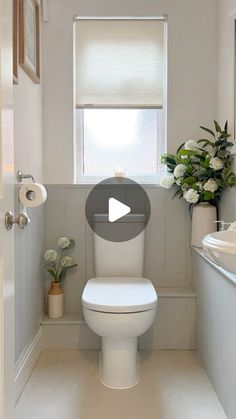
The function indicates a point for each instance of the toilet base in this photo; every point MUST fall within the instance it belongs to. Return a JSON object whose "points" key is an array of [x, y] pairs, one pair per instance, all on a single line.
{"points": [[119, 363]]}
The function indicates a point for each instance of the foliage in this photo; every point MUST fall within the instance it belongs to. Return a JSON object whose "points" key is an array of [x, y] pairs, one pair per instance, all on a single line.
{"points": [[200, 170]]}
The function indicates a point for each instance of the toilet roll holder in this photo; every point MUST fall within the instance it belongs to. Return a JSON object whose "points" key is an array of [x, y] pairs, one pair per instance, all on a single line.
{"points": [[20, 176]]}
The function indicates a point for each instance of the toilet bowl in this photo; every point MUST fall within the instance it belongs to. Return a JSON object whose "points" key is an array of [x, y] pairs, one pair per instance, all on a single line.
{"points": [[119, 309]]}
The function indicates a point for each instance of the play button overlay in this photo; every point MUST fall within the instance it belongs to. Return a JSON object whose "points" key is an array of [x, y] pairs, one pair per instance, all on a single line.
{"points": [[117, 209]]}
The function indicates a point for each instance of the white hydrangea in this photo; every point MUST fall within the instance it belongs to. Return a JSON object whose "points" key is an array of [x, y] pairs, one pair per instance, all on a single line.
{"points": [[216, 163], [211, 186], [63, 242], [191, 145], [191, 196], [180, 170], [167, 181], [50, 256], [66, 262]]}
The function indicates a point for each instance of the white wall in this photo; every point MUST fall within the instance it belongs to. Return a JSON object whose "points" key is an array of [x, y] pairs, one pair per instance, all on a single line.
{"points": [[216, 338], [226, 75], [28, 242], [191, 71]]}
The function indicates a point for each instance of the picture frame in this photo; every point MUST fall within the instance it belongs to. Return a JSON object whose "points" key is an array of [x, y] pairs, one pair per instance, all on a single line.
{"points": [[15, 37], [29, 38]]}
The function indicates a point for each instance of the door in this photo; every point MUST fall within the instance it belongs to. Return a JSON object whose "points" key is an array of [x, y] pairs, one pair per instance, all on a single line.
{"points": [[6, 204]]}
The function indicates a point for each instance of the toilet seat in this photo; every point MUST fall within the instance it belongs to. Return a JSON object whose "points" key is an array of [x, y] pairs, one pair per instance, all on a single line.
{"points": [[119, 295]]}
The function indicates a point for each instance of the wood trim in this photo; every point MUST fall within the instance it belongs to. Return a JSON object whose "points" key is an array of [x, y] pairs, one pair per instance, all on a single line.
{"points": [[35, 76], [15, 9]]}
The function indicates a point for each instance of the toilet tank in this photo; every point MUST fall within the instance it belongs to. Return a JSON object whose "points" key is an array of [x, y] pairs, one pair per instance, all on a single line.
{"points": [[118, 258]]}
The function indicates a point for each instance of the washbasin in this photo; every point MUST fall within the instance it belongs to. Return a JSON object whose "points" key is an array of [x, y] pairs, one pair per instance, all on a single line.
{"points": [[221, 247]]}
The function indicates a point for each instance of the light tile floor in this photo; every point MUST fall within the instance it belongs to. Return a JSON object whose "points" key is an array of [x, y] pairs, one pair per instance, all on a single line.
{"points": [[65, 385]]}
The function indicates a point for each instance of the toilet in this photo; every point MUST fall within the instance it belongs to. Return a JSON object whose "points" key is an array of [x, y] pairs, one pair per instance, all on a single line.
{"points": [[119, 304]]}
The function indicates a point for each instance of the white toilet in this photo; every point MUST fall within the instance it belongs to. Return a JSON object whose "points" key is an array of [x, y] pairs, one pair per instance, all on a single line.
{"points": [[119, 305]]}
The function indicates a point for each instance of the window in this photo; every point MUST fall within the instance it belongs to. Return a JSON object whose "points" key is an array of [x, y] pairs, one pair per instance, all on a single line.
{"points": [[119, 97]]}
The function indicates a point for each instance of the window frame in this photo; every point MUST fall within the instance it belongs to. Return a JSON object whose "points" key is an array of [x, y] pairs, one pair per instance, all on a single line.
{"points": [[78, 127]]}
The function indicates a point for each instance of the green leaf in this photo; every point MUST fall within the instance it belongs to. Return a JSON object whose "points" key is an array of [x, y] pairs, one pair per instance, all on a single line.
{"points": [[184, 152], [217, 127], [179, 148], [226, 126], [72, 266], [52, 273], [208, 130]]}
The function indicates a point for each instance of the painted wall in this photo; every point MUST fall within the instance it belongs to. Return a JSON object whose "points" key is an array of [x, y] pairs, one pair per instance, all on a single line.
{"points": [[216, 339], [28, 242], [226, 76], [191, 71]]}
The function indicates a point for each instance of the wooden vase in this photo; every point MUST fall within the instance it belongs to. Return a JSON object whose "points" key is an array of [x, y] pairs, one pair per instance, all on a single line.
{"points": [[55, 301]]}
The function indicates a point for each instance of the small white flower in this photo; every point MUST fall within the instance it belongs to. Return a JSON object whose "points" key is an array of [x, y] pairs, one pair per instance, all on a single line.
{"points": [[167, 181], [66, 262], [63, 242], [216, 163], [180, 170], [191, 196], [50, 256], [179, 181], [191, 145], [210, 150], [199, 185], [211, 185]]}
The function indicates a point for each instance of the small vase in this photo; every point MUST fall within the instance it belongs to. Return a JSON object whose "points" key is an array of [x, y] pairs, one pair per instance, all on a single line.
{"points": [[203, 217], [55, 301]]}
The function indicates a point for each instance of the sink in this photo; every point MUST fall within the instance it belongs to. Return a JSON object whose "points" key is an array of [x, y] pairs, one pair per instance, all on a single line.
{"points": [[221, 247]]}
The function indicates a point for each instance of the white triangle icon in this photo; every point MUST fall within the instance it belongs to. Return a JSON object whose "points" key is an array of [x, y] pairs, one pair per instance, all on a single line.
{"points": [[117, 210]]}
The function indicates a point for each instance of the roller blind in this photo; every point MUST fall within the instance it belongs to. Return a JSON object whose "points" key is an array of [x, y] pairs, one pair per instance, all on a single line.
{"points": [[119, 63]]}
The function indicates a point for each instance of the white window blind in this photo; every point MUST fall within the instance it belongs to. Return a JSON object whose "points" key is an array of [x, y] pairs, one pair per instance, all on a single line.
{"points": [[119, 63]]}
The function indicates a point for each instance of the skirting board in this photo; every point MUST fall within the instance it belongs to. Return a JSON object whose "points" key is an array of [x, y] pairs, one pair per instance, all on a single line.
{"points": [[173, 328], [26, 362]]}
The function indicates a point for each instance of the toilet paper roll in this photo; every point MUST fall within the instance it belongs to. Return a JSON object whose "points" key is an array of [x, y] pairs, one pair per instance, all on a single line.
{"points": [[32, 194]]}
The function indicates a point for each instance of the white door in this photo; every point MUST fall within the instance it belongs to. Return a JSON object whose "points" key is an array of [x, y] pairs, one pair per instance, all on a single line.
{"points": [[6, 204]]}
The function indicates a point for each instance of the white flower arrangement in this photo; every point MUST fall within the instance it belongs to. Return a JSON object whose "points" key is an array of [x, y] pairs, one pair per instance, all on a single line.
{"points": [[50, 256], [179, 170], [167, 181], [201, 169], [64, 242], [67, 262], [191, 196], [57, 265]]}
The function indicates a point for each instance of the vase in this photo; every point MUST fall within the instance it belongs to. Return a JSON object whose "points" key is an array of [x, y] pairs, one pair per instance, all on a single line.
{"points": [[203, 217], [55, 301]]}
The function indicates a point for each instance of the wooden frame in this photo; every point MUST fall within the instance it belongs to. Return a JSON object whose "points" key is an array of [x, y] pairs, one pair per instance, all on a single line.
{"points": [[15, 10], [29, 37]]}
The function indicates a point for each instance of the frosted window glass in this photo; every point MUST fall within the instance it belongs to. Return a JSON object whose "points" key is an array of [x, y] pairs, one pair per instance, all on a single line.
{"points": [[120, 138]]}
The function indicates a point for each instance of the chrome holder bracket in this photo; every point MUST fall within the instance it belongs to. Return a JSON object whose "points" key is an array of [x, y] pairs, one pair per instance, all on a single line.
{"points": [[20, 176]]}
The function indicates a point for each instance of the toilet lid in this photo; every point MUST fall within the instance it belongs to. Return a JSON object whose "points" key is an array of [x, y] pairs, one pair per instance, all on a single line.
{"points": [[119, 295]]}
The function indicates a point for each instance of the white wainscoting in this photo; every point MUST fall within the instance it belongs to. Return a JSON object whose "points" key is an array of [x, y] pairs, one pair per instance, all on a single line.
{"points": [[173, 328], [167, 250]]}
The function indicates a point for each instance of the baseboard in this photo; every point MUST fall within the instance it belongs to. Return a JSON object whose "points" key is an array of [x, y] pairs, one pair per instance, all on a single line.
{"points": [[26, 362]]}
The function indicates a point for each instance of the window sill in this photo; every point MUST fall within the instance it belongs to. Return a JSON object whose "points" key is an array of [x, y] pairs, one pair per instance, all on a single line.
{"points": [[147, 181]]}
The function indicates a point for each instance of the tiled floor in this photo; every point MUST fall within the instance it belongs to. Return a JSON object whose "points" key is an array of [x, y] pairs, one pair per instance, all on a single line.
{"points": [[65, 385]]}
